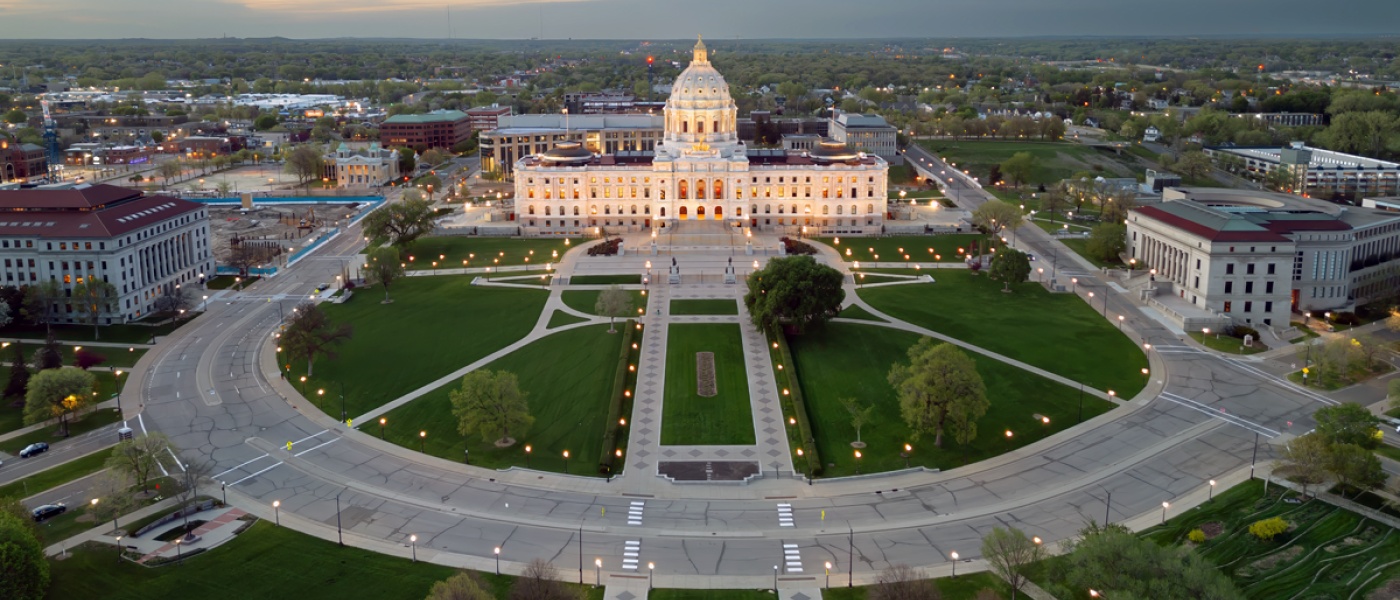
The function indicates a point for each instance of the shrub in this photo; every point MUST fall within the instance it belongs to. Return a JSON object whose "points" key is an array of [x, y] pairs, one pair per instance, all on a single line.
{"points": [[1240, 331], [1346, 318], [607, 248], [1267, 529], [1196, 536], [799, 404], [619, 400], [792, 246]]}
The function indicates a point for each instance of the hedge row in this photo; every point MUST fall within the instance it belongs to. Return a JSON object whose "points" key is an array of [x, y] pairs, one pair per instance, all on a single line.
{"points": [[619, 399], [799, 405]]}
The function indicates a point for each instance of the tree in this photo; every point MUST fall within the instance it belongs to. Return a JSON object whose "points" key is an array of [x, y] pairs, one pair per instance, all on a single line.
{"points": [[994, 216], [224, 188], [463, 586], [1355, 467], [169, 169], [401, 223], [86, 359], [1194, 165], [859, 413], [310, 333], [39, 299], [113, 492], [16, 117], [1019, 167], [94, 298], [433, 157], [407, 160], [900, 582], [1012, 555], [1305, 460], [5, 316], [796, 291], [1120, 564], [1107, 241], [384, 268], [490, 403], [612, 303], [540, 581], [265, 122], [193, 473], [1054, 201], [50, 355], [57, 393], [1347, 423], [1268, 529], [306, 162], [21, 560], [174, 300], [940, 387], [139, 458], [19, 372], [1010, 266]]}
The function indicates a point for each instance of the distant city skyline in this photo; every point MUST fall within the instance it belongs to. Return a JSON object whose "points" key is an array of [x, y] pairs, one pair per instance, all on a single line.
{"points": [[673, 19]]}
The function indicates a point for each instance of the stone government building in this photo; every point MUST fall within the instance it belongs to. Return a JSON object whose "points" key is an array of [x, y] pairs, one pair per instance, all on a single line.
{"points": [[701, 171]]}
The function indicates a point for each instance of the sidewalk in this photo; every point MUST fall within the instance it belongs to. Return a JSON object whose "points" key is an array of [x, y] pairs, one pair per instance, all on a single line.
{"points": [[102, 532], [109, 404], [219, 527]]}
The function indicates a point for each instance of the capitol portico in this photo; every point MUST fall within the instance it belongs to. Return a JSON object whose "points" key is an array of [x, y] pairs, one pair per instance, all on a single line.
{"points": [[701, 171]]}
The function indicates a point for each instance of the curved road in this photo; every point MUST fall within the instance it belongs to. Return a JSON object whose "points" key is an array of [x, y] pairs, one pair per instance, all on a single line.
{"points": [[206, 388]]}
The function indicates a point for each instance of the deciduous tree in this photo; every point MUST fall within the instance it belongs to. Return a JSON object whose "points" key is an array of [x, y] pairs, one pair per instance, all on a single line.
{"points": [[860, 412], [38, 302], [1107, 241], [1305, 460], [384, 268], [306, 161], [491, 404], [1010, 266], [612, 303], [1348, 423], [540, 581], [310, 334], [1019, 167], [26, 571], [900, 582], [401, 223], [1195, 165], [995, 216], [462, 586], [94, 298], [139, 458], [796, 291], [1012, 555], [57, 393], [940, 387], [19, 372], [1120, 564], [50, 355], [1355, 467]]}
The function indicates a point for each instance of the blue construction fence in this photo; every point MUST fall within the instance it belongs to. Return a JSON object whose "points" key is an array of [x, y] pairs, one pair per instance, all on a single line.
{"points": [[368, 203]]}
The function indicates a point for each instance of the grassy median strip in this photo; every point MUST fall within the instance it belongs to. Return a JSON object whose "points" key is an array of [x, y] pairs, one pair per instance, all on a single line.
{"points": [[93, 419], [690, 419], [59, 475]]}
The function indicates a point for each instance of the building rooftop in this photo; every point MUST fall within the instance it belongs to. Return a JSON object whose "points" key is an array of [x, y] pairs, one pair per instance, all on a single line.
{"points": [[526, 124], [99, 211], [1321, 159], [850, 120], [441, 116]]}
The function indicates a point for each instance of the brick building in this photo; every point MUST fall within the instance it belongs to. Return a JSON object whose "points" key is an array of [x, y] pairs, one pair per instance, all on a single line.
{"points": [[440, 129]]}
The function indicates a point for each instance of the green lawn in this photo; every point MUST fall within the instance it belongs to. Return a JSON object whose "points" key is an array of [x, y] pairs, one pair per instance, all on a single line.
{"points": [[855, 312], [89, 421], [561, 318], [124, 334], [586, 301], [1339, 551], [919, 248], [1055, 160], [709, 306], [435, 325], [451, 251], [1335, 381], [686, 417], [865, 354], [225, 282], [117, 358], [1056, 332], [265, 561], [1225, 343], [962, 587], [568, 377], [604, 279], [64, 473]]}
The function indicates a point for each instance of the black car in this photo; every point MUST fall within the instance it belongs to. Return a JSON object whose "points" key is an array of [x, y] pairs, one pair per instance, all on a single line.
{"points": [[32, 449], [48, 511]]}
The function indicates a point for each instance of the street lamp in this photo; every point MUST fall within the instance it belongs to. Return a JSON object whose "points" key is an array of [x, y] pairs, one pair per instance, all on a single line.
{"points": [[651, 570], [1211, 495], [597, 572], [413, 544], [423, 441], [954, 555], [277, 512], [566, 462], [498, 560], [382, 421], [527, 455], [908, 450], [119, 551], [858, 462], [116, 379], [1165, 506], [1120, 317], [828, 574]]}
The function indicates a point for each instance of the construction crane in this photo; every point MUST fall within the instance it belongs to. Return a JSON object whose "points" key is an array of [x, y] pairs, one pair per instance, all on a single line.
{"points": [[51, 138]]}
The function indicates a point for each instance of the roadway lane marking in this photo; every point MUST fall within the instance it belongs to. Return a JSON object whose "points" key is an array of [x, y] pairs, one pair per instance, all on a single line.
{"points": [[241, 466], [1219, 414], [1311, 395], [784, 514], [630, 551], [634, 512], [309, 437], [316, 446], [792, 558], [279, 463]]}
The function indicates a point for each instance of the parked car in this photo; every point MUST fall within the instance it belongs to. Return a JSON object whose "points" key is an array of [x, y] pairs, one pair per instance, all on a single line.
{"points": [[33, 449], [48, 511]]}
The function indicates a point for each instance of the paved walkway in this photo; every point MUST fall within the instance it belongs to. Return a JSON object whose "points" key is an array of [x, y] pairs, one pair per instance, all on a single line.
{"points": [[218, 528]]}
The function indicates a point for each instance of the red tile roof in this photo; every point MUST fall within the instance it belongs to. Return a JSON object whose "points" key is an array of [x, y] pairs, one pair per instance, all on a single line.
{"points": [[1207, 232], [89, 197], [103, 211]]}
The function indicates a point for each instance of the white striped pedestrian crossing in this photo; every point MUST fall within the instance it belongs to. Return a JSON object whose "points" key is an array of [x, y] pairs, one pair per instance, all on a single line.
{"points": [[631, 550], [792, 558], [634, 512], [784, 515]]}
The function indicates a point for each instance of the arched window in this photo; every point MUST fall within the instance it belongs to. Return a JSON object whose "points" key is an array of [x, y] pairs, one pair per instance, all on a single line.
{"points": [[575, 211], [546, 210], [826, 193], [853, 209], [738, 211], [826, 209], [683, 212], [607, 210], [646, 210], [700, 212], [753, 209], [532, 209], [531, 192], [870, 209], [663, 194], [700, 190], [719, 189], [634, 209], [767, 208], [699, 126], [685, 190], [838, 209], [794, 209]]}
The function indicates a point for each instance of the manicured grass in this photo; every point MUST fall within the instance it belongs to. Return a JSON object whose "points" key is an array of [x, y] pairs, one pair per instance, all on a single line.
{"points": [[568, 377], [1388, 451], [865, 354], [117, 358], [93, 419], [944, 247], [450, 251], [561, 318], [226, 282], [124, 334], [709, 306], [1225, 343], [604, 279], [1305, 333], [962, 587], [64, 473], [1056, 332], [435, 325], [1337, 381], [586, 301], [1339, 551], [856, 312], [1080, 246], [1055, 160], [690, 419]]}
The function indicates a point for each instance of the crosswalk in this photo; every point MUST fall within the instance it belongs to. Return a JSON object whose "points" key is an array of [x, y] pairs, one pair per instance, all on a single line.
{"points": [[634, 512], [792, 558], [784, 514], [631, 551]]}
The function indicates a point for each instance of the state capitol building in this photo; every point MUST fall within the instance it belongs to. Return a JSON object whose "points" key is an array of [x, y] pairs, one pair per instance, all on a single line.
{"points": [[701, 171]]}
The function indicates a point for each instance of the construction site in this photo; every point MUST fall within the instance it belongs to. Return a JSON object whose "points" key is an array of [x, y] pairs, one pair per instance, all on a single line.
{"points": [[249, 237]]}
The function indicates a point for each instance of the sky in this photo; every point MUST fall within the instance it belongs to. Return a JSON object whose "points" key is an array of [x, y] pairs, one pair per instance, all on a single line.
{"points": [[675, 19]]}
